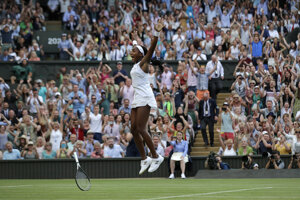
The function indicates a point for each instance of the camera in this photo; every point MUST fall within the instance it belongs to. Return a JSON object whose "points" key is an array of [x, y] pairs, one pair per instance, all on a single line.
{"points": [[57, 96], [212, 161], [224, 109], [268, 155]]}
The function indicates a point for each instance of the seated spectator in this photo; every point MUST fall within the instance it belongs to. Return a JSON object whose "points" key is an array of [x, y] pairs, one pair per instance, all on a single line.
{"points": [[48, 153], [98, 151], [228, 148], [245, 149], [40, 145], [79, 149], [295, 145], [62, 152], [274, 161], [73, 139], [113, 150], [282, 146], [30, 152], [158, 145], [89, 143], [10, 153], [125, 107], [180, 150]]}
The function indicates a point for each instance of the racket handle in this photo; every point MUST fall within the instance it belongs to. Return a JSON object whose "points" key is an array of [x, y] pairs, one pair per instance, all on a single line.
{"points": [[76, 158]]}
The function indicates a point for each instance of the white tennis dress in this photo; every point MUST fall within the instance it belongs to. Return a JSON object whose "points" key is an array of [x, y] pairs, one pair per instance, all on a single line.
{"points": [[143, 94]]}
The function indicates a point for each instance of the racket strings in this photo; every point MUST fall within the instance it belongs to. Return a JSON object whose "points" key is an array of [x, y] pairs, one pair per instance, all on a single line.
{"points": [[82, 180]]}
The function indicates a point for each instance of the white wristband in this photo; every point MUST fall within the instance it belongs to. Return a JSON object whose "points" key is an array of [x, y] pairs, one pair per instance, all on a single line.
{"points": [[155, 33]]}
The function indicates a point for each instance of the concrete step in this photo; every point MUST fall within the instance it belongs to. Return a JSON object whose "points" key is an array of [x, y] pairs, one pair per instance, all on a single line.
{"points": [[201, 143], [202, 149], [53, 26]]}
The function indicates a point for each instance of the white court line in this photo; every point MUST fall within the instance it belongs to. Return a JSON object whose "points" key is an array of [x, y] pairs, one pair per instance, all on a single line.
{"points": [[208, 193], [14, 186]]}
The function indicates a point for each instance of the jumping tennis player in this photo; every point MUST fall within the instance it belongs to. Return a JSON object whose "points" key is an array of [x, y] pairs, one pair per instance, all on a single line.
{"points": [[143, 101]]}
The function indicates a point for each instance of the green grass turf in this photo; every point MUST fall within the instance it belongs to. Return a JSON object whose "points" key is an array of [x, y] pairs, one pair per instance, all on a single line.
{"points": [[152, 188]]}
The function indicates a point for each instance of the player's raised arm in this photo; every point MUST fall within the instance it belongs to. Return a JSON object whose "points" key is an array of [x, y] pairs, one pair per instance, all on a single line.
{"points": [[146, 59]]}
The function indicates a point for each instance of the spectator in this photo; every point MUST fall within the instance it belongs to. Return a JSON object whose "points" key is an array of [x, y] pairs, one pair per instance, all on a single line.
{"points": [[295, 162], [79, 149], [275, 162], [30, 152], [215, 84], [208, 115], [264, 143], [248, 163], [98, 152], [10, 153], [120, 74], [158, 145], [113, 150], [62, 152], [48, 153], [125, 107], [63, 46], [180, 150], [112, 130]]}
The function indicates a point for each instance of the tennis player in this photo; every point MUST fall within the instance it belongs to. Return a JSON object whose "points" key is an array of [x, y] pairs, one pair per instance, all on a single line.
{"points": [[143, 101]]}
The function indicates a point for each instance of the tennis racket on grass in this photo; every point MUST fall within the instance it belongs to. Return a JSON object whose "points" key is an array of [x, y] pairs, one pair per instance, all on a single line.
{"points": [[81, 178]]}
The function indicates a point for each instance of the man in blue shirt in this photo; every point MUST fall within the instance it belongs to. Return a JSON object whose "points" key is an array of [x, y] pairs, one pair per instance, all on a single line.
{"points": [[120, 74], [10, 153], [76, 98], [256, 46], [126, 107], [63, 46]]}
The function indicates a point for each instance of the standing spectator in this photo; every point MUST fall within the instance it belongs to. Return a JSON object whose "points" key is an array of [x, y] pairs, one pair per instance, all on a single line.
{"points": [[208, 115], [120, 74], [127, 91], [34, 101], [226, 122], [256, 46], [116, 53], [166, 78], [113, 150], [10, 153], [63, 47], [95, 119], [56, 134], [76, 100], [215, 83]]}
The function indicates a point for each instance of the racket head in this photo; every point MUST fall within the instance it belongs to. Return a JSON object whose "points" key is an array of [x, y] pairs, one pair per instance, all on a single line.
{"points": [[82, 179]]}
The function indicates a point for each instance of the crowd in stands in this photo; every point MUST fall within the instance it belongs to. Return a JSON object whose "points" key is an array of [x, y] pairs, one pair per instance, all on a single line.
{"points": [[88, 111]]}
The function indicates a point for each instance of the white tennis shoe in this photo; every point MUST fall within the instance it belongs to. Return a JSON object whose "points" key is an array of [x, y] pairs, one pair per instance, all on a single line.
{"points": [[183, 176], [145, 164], [155, 163], [171, 176]]}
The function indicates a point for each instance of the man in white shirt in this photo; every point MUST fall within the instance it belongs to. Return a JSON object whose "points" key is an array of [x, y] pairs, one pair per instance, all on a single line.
{"points": [[96, 124], [112, 129], [215, 82], [64, 5], [273, 32], [199, 55], [166, 78], [33, 101], [113, 150], [225, 17], [178, 38], [211, 12], [127, 91], [116, 53], [159, 148]]}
